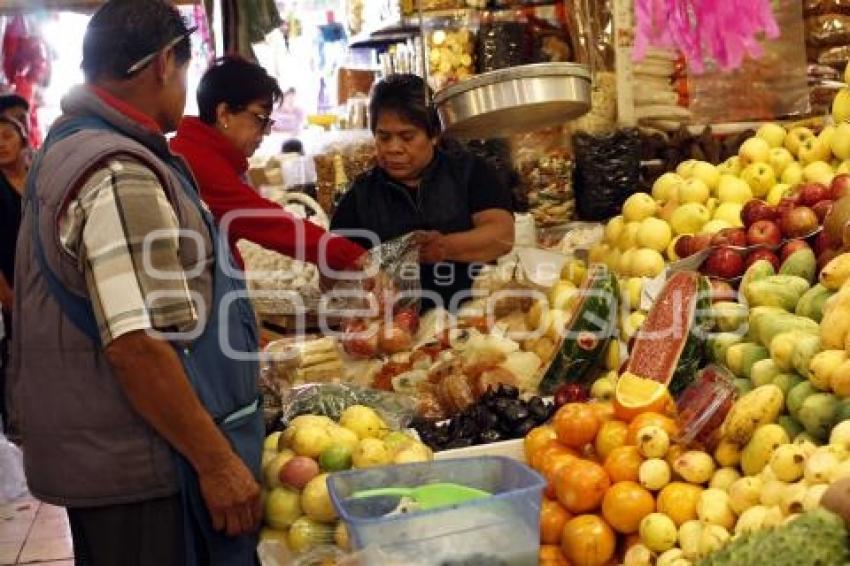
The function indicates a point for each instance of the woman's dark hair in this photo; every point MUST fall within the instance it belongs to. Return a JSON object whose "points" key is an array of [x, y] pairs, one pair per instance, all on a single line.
{"points": [[409, 97], [123, 32], [237, 82]]}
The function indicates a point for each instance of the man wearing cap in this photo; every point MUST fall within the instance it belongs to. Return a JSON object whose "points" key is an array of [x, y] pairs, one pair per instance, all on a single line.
{"points": [[127, 389]]}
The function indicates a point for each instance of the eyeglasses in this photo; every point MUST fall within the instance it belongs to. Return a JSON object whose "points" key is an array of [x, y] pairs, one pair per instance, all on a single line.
{"points": [[144, 61], [263, 120]]}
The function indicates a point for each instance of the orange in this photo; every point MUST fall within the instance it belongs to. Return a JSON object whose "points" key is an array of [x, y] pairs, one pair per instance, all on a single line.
{"points": [[603, 409], [552, 468], [635, 395], [543, 453], [552, 555], [536, 439], [625, 504], [647, 419], [576, 424], [553, 517], [612, 434], [678, 500], [588, 541], [623, 464], [581, 486]]}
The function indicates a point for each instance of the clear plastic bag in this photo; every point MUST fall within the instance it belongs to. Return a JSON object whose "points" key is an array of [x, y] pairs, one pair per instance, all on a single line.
{"points": [[450, 46], [331, 399], [13, 482]]}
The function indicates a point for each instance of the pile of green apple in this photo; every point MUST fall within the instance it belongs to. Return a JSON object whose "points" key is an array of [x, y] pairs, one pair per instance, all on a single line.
{"points": [[297, 461]]}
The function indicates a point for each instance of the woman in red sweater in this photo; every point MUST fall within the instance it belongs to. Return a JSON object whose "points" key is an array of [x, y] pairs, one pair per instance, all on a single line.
{"points": [[235, 100]]}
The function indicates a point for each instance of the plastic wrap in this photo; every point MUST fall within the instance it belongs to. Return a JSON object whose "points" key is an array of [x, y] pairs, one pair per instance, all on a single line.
{"points": [[450, 46], [504, 40], [829, 30], [607, 172], [765, 89], [547, 183], [331, 399], [821, 7], [13, 483]]}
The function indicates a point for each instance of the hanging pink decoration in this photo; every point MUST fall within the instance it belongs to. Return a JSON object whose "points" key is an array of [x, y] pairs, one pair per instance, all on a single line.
{"points": [[724, 31]]}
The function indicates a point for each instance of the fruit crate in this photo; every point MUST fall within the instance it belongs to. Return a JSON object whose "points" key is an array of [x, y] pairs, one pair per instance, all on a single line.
{"points": [[503, 527]]}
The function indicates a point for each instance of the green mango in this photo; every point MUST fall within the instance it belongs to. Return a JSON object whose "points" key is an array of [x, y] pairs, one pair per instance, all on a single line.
{"points": [[817, 414], [790, 424], [758, 270], [719, 343], [771, 325], [798, 394], [812, 302], [773, 294], [805, 349], [782, 348], [786, 382], [741, 357], [764, 372], [797, 283], [801, 263], [743, 385]]}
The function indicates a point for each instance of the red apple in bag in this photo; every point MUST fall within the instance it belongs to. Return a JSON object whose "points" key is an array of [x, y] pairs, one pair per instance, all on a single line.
{"points": [[798, 222], [683, 246], [725, 263], [730, 237], [721, 290], [360, 340], [407, 319], [699, 243], [811, 193], [762, 254], [821, 209], [756, 210], [764, 233], [821, 243]]}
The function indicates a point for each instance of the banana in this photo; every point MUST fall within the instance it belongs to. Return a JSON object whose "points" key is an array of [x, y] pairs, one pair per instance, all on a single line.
{"points": [[836, 272]]}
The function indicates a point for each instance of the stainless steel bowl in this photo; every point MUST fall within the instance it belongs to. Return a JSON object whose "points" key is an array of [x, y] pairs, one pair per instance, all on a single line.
{"points": [[515, 100]]}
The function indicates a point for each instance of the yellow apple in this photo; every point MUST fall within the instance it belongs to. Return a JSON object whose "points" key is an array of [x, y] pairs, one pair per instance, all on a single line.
{"points": [[628, 237], [597, 253], [841, 106], [754, 150], [632, 289], [760, 177], [612, 258], [779, 159], [814, 149], [773, 134], [693, 190], [707, 173], [689, 218], [793, 174], [733, 189], [671, 249], [639, 206], [731, 166], [614, 228], [776, 194], [730, 212], [795, 137], [714, 226], [646, 263], [843, 168], [818, 172], [686, 168], [840, 142], [711, 205], [826, 134], [666, 187], [654, 233]]}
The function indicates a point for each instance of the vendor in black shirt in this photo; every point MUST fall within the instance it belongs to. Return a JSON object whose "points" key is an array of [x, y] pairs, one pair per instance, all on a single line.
{"points": [[454, 201]]}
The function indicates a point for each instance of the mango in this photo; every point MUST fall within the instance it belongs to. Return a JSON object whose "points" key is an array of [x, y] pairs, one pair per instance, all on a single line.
{"points": [[760, 448], [796, 396], [801, 263], [759, 407], [811, 304], [771, 293], [786, 381], [782, 349], [763, 372], [817, 414], [823, 365], [718, 344], [729, 316], [741, 357], [758, 270], [805, 349]]}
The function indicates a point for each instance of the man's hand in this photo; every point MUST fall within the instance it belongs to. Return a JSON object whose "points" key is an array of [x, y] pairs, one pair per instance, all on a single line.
{"points": [[232, 497], [432, 246]]}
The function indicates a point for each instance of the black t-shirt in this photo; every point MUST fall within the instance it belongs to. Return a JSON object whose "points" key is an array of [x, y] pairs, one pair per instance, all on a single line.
{"points": [[10, 223], [454, 187]]}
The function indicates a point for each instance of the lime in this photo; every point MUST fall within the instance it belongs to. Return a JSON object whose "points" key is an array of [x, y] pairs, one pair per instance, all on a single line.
{"points": [[335, 458]]}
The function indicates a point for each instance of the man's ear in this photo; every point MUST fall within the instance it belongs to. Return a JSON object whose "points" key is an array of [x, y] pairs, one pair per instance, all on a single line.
{"points": [[162, 65], [222, 113]]}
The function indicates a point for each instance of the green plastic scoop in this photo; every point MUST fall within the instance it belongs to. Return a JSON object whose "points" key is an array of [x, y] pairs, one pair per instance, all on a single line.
{"points": [[429, 496]]}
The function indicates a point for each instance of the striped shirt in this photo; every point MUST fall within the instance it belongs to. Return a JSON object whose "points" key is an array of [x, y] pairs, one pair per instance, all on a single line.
{"points": [[123, 233]]}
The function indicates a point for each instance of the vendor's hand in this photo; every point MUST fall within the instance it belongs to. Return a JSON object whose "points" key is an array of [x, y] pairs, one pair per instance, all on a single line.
{"points": [[432, 246], [232, 497]]}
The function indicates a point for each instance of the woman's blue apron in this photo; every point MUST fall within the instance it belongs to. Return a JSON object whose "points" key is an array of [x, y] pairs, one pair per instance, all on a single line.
{"points": [[227, 387]]}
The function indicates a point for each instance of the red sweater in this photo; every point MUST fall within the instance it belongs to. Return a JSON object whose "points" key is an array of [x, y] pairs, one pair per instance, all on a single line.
{"points": [[219, 169]]}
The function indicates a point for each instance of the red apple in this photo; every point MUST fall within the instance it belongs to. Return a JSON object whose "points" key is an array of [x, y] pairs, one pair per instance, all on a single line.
{"points": [[730, 237], [721, 290], [821, 243], [394, 339], [683, 246], [840, 186], [791, 247], [762, 253], [360, 340], [811, 193], [826, 256], [798, 222], [764, 233], [407, 319], [725, 263], [698, 243], [756, 210], [821, 209]]}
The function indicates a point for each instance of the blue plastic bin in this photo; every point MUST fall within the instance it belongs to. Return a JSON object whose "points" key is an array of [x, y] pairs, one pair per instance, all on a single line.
{"points": [[499, 530]]}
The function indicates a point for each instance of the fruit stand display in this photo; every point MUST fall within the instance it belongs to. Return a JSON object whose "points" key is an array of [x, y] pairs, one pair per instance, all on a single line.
{"points": [[680, 380]]}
